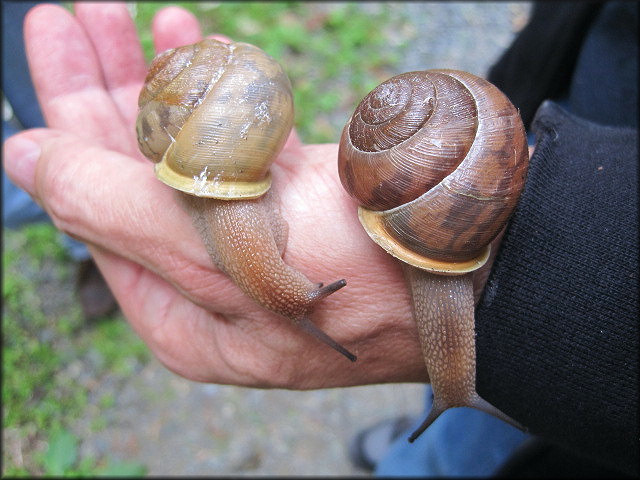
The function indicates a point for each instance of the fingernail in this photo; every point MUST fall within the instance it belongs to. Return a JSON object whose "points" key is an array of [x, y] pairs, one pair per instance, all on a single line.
{"points": [[220, 37], [20, 158]]}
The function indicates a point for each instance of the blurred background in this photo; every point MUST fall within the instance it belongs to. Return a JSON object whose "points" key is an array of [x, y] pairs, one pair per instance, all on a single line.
{"points": [[87, 398]]}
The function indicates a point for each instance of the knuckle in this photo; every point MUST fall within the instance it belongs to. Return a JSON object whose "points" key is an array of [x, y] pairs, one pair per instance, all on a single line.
{"points": [[58, 180]]}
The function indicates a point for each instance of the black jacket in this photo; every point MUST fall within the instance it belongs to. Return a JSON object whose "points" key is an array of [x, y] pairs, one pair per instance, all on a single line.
{"points": [[557, 327]]}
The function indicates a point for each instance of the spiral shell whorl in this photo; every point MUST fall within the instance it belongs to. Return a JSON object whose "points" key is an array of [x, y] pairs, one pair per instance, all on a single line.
{"points": [[390, 155], [390, 114], [214, 116], [444, 192]]}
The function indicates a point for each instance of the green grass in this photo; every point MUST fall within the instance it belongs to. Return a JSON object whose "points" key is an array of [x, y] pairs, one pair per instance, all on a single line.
{"points": [[41, 341], [334, 54]]}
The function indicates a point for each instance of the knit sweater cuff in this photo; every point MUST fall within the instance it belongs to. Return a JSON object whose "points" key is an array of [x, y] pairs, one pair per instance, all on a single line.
{"points": [[557, 330]]}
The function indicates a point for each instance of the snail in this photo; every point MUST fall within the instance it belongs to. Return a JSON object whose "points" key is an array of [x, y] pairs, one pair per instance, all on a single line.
{"points": [[437, 160], [213, 117]]}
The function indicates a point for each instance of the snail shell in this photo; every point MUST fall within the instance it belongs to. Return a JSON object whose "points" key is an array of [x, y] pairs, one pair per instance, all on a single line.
{"points": [[214, 116], [437, 159]]}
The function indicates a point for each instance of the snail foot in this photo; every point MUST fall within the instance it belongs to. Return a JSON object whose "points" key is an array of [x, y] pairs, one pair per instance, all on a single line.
{"points": [[435, 412], [481, 404], [477, 402]]}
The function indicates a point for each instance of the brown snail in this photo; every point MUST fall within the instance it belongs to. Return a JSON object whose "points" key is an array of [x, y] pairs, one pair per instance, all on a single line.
{"points": [[437, 160], [214, 116]]}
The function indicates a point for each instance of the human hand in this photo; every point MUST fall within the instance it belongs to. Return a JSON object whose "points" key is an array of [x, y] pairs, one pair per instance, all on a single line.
{"points": [[87, 172]]}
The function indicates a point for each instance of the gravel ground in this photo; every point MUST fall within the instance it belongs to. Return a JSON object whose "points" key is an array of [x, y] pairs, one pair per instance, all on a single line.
{"points": [[178, 427]]}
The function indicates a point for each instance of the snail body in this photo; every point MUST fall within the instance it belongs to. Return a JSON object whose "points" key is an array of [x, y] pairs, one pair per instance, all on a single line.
{"points": [[213, 117], [437, 160]]}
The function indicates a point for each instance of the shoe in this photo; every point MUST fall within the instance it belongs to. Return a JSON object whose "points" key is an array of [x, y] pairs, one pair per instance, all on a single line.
{"points": [[370, 445], [93, 292]]}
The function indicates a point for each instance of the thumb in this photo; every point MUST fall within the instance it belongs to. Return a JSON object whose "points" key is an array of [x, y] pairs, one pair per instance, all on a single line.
{"points": [[104, 198], [79, 184]]}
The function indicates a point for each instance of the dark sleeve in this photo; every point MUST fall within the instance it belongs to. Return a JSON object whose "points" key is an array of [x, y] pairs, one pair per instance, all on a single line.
{"points": [[557, 327], [539, 64]]}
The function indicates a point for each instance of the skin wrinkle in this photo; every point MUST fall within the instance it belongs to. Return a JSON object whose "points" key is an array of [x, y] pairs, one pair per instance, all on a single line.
{"points": [[194, 324], [169, 351], [163, 343], [277, 332], [197, 264], [403, 347], [211, 285], [53, 183]]}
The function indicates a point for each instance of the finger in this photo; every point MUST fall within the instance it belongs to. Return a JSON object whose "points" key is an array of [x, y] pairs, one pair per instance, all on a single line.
{"points": [[61, 59], [68, 79], [20, 156], [220, 37], [182, 335], [115, 40], [102, 198], [173, 27], [189, 340]]}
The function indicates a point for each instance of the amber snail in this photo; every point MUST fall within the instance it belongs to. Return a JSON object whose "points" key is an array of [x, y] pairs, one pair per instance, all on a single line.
{"points": [[214, 116], [437, 160]]}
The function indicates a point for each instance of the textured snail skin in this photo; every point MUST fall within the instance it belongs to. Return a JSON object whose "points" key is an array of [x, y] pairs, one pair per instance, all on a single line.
{"points": [[437, 160], [214, 116]]}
